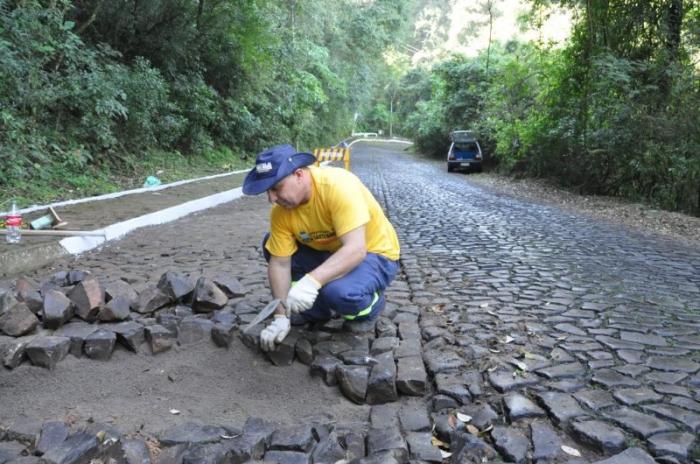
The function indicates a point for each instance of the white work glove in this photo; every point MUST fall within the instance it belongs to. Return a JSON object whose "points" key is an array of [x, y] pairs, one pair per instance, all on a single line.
{"points": [[302, 294], [274, 333]]}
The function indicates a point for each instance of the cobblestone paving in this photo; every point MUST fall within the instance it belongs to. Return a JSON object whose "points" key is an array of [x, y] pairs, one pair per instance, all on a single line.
{"points": [[568, 331], [547, 338]]}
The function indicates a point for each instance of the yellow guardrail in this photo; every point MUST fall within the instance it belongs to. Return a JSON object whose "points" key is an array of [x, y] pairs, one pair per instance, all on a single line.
{"points": [[333, 154]]}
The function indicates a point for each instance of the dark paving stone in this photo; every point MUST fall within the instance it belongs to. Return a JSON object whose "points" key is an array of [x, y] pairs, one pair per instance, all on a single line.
{"points": [[518, 407], [413, 416], [100, 344], [686, 403], [482, 414], [440, 402], [629, 456], [77, 449], [189, 433], [545, 441], [330, 347], [328, 450], [612, 379], [662, 363], [446, 360], [408, 348], [381, 386], [283, 354], [384, 415], [13, 350], [411, 377], [135, 451], [193, 329], [130, 334], [574, 369], [630, 356], [53, 433], [599, 435], [87, 297], [689, 419], [159, 338], [18, 320], [595, 399], [644, 339], [47, 351], [287, 457], [384, 344], [385, 439], [467, 448], [353, 381], [177, 286], [504, 381], [511, 443], [57, 309], [294, 438], [420, 447], [666, 389], [204, 454], [561, 406], [617, 344], [642, 425], [679, 444], [453, 385], [324, 366], [304, 351], [207, 296], [222, 334], [632, 396]]}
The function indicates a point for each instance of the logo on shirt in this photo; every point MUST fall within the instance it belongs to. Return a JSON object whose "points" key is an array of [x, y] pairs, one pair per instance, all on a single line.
{"points": [[321, 237], [262, 168]]}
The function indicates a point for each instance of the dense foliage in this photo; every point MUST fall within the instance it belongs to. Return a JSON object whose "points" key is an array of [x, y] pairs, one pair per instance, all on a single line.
{"points": [[614, 112], [91, 88]]}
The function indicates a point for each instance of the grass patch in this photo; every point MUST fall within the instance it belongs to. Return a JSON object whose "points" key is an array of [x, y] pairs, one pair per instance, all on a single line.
{"points": [[59, 182]]}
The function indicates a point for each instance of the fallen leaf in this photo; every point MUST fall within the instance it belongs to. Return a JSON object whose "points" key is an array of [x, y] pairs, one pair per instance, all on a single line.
{"points": [[508, 339], [445, 454], [473, 430], [174, 411], [571, 451], [228, 437], [484, 305], [494, 351], [439, 443], [463, 417]]}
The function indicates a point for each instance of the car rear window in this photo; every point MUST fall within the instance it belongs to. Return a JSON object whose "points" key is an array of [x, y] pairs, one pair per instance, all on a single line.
{"points": [[465, 146]]}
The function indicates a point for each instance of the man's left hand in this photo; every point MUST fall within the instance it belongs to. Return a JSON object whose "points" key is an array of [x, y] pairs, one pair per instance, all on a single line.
{"points": [[303, 294]]}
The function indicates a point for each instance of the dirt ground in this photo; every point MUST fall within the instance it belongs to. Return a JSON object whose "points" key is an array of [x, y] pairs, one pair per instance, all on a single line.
{"points": [[138, 391]]}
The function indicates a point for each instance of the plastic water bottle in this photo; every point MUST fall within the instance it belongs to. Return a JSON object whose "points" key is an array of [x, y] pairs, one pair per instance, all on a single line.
{"points": [[13, 225]]}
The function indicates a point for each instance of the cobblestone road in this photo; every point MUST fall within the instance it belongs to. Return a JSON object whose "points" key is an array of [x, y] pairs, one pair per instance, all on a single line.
{"points": [[578, 329]]}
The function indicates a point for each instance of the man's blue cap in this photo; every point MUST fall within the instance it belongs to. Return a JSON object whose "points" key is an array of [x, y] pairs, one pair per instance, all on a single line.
{"points": [[273, 165]]}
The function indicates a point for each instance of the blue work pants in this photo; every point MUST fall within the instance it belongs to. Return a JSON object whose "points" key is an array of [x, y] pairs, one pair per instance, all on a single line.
{"points": [[358, 295]]}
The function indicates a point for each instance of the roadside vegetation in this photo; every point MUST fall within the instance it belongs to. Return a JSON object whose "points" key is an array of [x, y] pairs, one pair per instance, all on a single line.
{"points": [[95, 95], [614, 112]]}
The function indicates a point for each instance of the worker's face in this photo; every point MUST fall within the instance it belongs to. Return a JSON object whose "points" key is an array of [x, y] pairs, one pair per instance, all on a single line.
{"points": [[289, 192]]}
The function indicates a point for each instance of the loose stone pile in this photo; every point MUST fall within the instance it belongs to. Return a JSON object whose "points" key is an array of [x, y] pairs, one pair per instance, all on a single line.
{"points": [[75, 312]]}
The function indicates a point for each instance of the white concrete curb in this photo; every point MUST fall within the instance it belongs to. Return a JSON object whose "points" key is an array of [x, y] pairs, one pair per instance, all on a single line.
{"points": [[107, 196], [76, 245]]}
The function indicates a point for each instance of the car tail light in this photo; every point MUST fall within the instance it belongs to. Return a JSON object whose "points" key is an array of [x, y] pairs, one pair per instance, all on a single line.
{"points": [[451, 156]]}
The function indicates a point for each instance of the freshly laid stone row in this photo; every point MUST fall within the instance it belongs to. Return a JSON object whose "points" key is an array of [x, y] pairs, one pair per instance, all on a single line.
{"points": [[372, 367], [392, 435]]}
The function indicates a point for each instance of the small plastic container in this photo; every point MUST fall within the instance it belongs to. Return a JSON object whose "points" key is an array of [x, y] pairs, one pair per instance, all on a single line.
{"points": [[13, 225]]}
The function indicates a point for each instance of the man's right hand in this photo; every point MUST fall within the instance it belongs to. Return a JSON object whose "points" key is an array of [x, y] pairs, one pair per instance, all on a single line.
{"points": [[274, 333]]}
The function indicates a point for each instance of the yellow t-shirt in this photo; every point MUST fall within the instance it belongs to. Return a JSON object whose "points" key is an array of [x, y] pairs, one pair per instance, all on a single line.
{"points": [[339, 203]]}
